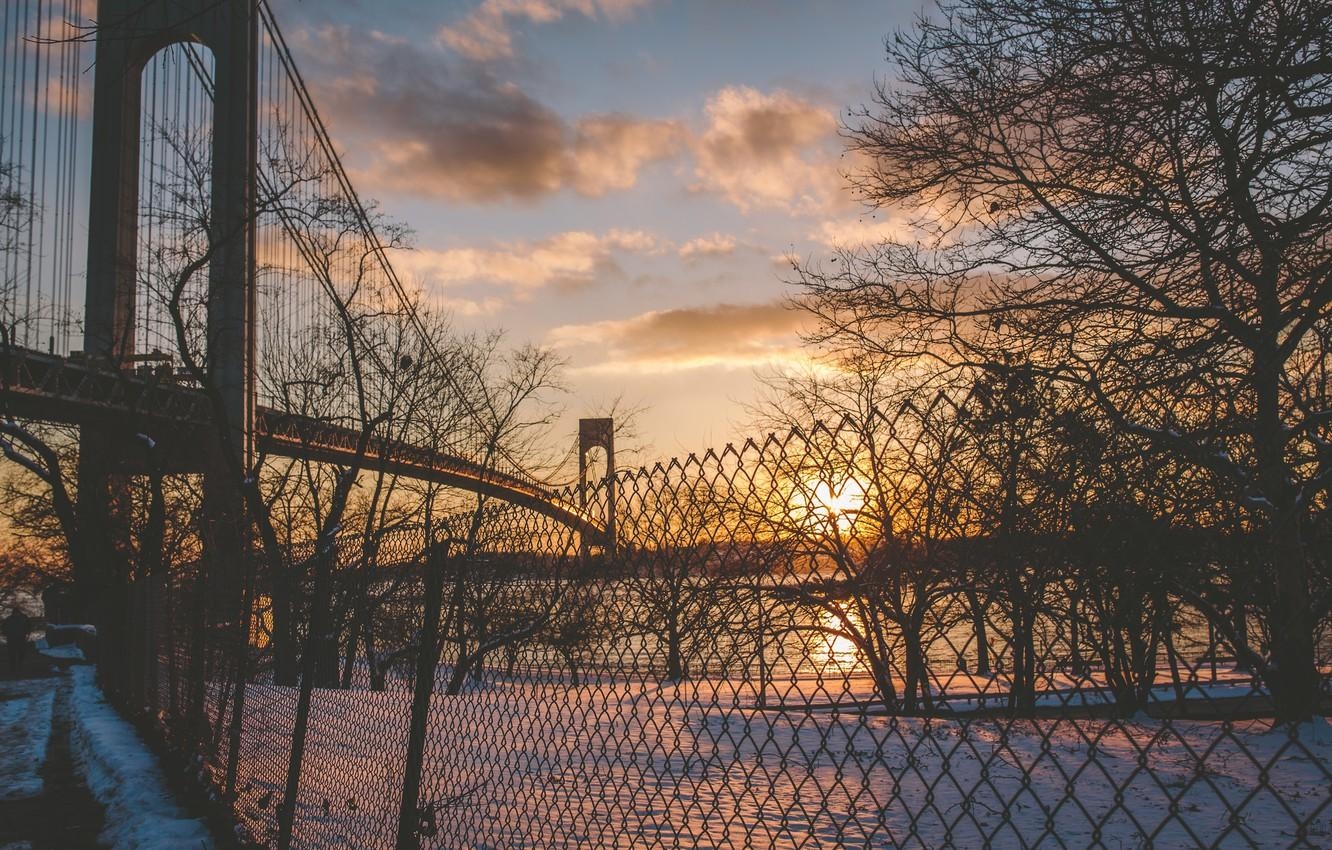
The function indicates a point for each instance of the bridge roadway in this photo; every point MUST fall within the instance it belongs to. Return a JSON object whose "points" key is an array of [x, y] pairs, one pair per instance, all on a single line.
{"points": [[148, 400]]}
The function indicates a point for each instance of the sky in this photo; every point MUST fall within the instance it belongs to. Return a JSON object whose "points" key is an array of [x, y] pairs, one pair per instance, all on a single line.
{"points": [[625, 181]]}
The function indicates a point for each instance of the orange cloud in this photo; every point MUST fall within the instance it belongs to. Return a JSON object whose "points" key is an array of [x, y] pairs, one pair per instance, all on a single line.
{"points": [[772, 150], [712, 245], [573, 258], [859, 232], [722, 335], [609, 151]]}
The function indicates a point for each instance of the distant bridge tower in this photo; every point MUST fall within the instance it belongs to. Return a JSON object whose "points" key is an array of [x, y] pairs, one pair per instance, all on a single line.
{"points": [[593, 434], [129, 34]]}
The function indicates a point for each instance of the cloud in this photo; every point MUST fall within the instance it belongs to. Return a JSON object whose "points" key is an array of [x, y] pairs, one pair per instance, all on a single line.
{"points": [[437, 126], [609, 151], [726, 335], [485, 33], [860, 232], [432, 124], [773, 150], [571, 259], [467, 307], [712, 245], [63, 21]]}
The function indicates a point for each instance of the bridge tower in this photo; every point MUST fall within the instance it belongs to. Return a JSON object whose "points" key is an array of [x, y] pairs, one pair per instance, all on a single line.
{"points": [[594, 434], [129, 34]]}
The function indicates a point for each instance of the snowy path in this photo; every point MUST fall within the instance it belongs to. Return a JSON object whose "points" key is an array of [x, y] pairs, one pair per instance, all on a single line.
{"points": [[126, 778], [44, 802]]}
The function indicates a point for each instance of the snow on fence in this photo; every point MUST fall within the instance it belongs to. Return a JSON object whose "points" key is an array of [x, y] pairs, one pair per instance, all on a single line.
{"points": [[806, 641]]}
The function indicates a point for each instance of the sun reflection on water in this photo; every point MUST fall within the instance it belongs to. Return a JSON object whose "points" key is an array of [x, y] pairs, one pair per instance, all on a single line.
{"points": [[836, 651]]}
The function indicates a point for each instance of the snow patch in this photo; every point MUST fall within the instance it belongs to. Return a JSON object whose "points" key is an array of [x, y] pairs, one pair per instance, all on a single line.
{"points": [[1315, 731], [25, 729], [66, 652], [124, 777], [87, 628]]}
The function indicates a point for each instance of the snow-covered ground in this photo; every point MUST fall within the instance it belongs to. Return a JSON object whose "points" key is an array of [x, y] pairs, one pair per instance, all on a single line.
{"points": [[67, 652], [25, 729], [64, 718], [629, 764], [125, 777]]}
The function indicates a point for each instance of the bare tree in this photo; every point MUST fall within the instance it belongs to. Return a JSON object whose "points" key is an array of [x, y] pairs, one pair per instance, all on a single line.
{"points": [[679, 564], [876, 494], [509, 415], [16, 214], [1133, 198]]}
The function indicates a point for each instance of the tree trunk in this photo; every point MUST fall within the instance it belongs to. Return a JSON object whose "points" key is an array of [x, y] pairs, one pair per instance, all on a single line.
{"points": [[1292, 675], [1022, 694], [1240, 618], [571, 659], [883, 680], [916, 690], [1172, 657], [284, 629], [981, 633], [1077, 666], [675, 671]]}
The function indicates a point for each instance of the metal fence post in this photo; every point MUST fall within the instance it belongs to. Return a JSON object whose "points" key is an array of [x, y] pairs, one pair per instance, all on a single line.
{"points": [[242, 672], [318, 627], [762, 646], [423, 688]]}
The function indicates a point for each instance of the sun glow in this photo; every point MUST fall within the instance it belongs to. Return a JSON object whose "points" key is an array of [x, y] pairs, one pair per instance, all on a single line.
{"points": [[822, 502]]}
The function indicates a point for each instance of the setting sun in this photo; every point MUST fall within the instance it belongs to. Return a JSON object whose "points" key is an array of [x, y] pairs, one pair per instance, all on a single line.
{"points": [[821, 502]]}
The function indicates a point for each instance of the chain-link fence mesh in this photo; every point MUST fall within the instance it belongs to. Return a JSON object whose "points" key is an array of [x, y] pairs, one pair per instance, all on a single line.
{"points": [[817, 639]]}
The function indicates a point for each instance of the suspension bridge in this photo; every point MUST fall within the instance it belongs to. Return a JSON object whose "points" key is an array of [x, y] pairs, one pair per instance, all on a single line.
{"points": [[184, 255]]}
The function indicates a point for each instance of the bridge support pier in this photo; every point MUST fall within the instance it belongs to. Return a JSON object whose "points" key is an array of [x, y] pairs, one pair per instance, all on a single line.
{"points": [[130, 33]]}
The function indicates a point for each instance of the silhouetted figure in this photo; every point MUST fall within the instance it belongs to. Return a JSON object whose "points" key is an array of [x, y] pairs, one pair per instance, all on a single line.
{"points": [[16, 628]]}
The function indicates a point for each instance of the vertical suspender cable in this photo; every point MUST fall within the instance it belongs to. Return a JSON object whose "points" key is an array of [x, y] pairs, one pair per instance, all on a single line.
{"points": [[41, 104], [75, 120], [8, 63], [59, 237], [32, 211]]}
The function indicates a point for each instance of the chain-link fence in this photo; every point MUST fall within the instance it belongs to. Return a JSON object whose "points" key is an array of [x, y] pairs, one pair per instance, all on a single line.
{"points": [[817, 639]]}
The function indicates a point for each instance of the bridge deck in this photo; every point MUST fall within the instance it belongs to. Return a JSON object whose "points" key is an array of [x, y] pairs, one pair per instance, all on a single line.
{"points": [[149, 400]]}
